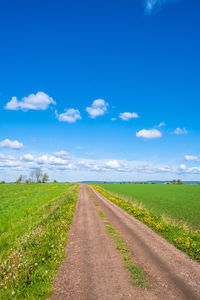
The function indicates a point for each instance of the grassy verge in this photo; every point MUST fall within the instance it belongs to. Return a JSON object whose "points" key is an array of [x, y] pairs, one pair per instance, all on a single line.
{"points": [[184, 240], [179, 204], [27, 270], [137, 274]]}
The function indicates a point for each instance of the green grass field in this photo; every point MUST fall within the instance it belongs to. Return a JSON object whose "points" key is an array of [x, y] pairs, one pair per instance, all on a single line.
{"points": [[34, 219], [177, 202]]}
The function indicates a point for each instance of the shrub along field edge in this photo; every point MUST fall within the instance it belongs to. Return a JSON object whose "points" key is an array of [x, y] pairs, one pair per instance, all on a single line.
{"points": [[29, 270], [184, 240]]}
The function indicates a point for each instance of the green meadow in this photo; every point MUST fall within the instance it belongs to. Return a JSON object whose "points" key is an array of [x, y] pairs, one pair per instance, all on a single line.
{"points": [[180, 203], [34, 219]]}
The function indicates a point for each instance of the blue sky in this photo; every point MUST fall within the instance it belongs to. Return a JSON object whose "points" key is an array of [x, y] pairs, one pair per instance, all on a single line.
{"points": [[100, 90]]}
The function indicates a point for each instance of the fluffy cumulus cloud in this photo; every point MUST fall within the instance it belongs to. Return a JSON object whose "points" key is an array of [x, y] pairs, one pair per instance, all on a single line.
{"points": [[70, 115], [27, 157], [182, 169], [98, 108], [179, 131], [11, 144], [51, 160], [191, 158], [38, 101], [151, 4], [128, 115], [149, 134], [113, 164]]}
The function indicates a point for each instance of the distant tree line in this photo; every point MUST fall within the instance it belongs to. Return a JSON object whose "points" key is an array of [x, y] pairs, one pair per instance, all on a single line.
{"points": [[178, 181], [36, 176], [174, 181]]}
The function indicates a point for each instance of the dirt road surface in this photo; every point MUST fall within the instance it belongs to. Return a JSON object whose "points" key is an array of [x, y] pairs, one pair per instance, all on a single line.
{"points": [[94, 268]]}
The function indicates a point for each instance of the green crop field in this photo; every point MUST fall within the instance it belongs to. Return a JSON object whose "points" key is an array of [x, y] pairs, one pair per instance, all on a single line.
{"points": [[34, 219], [177, 202]]}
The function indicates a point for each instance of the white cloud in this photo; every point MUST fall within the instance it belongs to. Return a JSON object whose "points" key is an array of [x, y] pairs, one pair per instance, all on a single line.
{"points": [[180, 131], [127, 116], [194, 170], [38, 101], [191, 158], [77, 169], [98, 108], [161, 124], [184, 170], [51, 159], [151, 4], [11, 144], [27, 157], [8, 164], [148, 134], [113, 164], [63, 154], [182, 167], [4, 157], [113, 119], [70, 115]]}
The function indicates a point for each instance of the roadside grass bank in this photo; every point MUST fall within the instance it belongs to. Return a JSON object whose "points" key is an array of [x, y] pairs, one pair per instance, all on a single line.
{"points": [[21, 209], [28, 268], [184, 240], [180, 203], [137, 274]]}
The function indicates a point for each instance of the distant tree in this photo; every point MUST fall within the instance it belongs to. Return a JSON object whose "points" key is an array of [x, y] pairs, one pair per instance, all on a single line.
{"points": [[38, 175], [179, 181], [45, 178], [173, 181], [32, 175], [19, 180], [54, 181], [2, 182], [27, 181]]}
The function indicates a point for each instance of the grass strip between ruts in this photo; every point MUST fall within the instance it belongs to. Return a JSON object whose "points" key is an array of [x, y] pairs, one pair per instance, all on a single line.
{"points": [[136, 273], [184, 240]]}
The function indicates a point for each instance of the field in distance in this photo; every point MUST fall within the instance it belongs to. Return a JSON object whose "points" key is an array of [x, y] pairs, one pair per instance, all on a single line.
{"points": [[177, 202]]}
